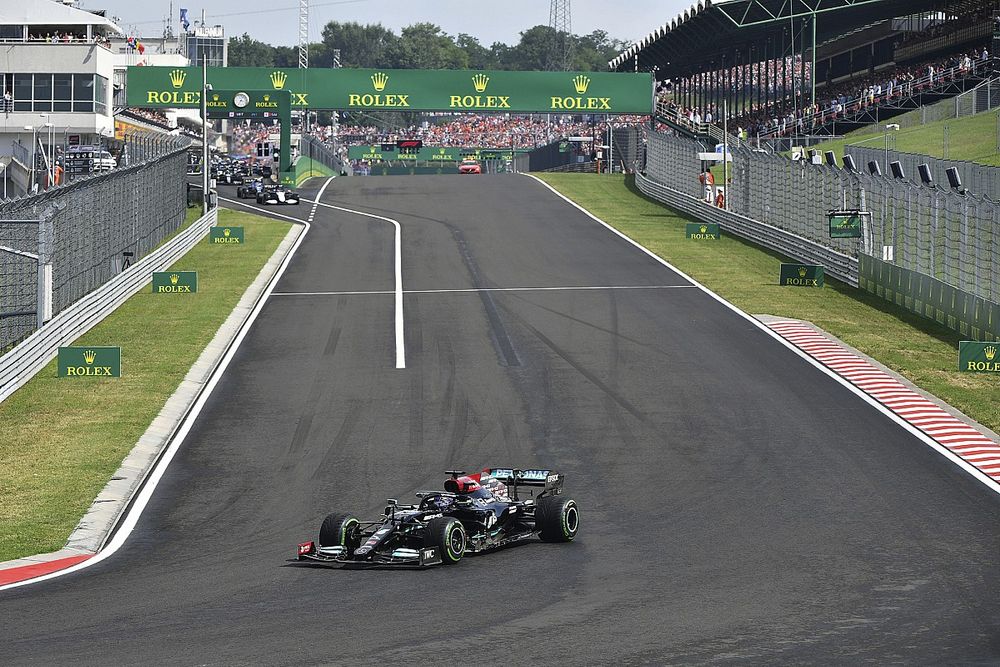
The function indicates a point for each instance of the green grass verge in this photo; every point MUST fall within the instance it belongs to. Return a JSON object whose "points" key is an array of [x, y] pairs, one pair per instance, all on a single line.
{"points": [[747, 276], [61, 440], [973, 139]]}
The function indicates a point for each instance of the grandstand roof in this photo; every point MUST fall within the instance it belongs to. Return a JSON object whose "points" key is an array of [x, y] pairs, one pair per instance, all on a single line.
{"points": [[695, 40], [49, 13]]}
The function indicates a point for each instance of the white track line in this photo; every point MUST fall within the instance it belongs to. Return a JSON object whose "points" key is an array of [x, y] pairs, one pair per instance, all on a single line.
{"points": [[475, 290], [398, 266], [976, 474], [130, 520]]}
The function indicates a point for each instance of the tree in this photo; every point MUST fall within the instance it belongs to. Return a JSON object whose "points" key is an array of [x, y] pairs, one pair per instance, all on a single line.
{"points": [[426, 46], [362, 45], [535, 49], [477, 55], [248, 52]]}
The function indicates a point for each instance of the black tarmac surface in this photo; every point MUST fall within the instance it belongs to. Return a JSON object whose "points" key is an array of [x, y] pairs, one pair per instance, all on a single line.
{"points": [[738, 505]]}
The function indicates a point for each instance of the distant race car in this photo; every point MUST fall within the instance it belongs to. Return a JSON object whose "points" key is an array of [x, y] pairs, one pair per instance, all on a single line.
{"points": [[250, 190], [277, 194], [474, 514], [470, 167]]}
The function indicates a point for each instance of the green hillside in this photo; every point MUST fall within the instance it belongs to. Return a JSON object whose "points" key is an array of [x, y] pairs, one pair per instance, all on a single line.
{"points": [[974, 139]]}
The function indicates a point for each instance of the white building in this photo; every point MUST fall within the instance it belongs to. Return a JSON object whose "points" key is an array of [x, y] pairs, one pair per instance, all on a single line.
{"points": [[56, 86]]}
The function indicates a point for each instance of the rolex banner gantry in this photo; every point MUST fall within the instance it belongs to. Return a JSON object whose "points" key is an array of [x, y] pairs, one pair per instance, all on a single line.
{"points": [[404, 90], [257, 104]]}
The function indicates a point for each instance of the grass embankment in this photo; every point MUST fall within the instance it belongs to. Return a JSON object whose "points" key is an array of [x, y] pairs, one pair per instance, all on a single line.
{"points": [[747, 276], [61, 440], [973, 139]]}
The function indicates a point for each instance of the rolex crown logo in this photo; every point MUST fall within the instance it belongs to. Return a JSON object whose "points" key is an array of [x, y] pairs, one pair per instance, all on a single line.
{"points": [[174, 278], [278, 80], [177, 77], [703, 229], [226, 232], [802, 272], [379, 80], [480, 81], [215, 97], [267, 98], [89, 356], [581, 83], [991, 352]]}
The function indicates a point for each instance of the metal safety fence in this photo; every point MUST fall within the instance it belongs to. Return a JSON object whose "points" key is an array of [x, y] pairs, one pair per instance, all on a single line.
{"points": [[939, 233], [59, 245], [327, 155]]}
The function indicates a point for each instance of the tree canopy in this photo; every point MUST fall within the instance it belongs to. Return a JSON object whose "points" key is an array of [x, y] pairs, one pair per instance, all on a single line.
{"points": [[427, 46]]}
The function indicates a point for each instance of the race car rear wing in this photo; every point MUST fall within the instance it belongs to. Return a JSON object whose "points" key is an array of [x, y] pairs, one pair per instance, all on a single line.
{"points": [[550, 480]]}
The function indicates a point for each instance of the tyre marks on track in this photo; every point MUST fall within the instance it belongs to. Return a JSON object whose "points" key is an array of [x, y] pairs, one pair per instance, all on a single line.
{"points": [[958, 437]]}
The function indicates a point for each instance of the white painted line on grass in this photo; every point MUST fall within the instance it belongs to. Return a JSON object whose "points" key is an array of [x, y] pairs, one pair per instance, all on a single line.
{"points": [[398, 267], [475, 290], [978, 475], [130, 520]]}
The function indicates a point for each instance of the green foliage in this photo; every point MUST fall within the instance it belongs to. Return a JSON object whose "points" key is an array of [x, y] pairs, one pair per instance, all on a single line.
{"points": [[427, 46]]}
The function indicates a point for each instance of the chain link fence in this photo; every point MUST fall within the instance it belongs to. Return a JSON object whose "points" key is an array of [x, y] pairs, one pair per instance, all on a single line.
{"points": [[99, 225], [936, 232], [977, 178]]}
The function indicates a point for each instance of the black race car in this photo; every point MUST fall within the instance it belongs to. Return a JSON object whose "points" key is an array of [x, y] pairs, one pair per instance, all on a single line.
{"points": [[277, 194], [474, 514], [250, 189]]}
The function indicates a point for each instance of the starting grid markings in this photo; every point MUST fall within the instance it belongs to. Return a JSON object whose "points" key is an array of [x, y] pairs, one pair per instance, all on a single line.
{"points": [[958, 437]]}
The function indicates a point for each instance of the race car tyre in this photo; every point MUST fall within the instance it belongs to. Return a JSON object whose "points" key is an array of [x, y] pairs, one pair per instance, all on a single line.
{"points": [[448, 535], [340, 530], [557, 519]]}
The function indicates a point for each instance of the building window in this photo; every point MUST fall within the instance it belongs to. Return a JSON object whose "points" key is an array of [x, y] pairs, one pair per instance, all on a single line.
{"points": [[101, 95], [12, 32], [43, 92], [83, 92], [62, 92], [22, 92]]}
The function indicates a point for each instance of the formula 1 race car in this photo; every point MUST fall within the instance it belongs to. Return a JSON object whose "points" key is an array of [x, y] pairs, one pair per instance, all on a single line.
{"points": [[250, 190], [474, 514], [470, 167], [277, 194]]}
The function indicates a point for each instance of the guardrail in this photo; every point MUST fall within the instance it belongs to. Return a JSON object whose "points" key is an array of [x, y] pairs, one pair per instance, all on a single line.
{"points": [[31, 355], [837, 265]]}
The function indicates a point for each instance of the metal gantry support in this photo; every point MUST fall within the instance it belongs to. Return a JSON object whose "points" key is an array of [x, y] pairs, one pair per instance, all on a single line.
{"points": [[303, 34], [560, 21]]}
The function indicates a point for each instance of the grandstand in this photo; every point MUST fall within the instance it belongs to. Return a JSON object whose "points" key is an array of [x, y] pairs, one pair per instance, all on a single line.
{"points": [[782, 69]]}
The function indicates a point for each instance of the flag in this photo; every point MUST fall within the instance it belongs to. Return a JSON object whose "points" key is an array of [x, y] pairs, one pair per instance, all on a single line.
{"points": [[184, 19], [142, 49]]}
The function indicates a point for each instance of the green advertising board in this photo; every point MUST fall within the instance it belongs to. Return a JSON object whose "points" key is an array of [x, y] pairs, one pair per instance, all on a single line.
{"points": [[703, 231], [801, 275], [226, 236], [846, 224], [978, 357], [403, 90], [90, 361], [377, 153], [175, 282]]}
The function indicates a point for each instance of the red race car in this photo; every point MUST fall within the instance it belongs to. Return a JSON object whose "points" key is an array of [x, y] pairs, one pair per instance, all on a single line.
{"points": [[469, 166]]}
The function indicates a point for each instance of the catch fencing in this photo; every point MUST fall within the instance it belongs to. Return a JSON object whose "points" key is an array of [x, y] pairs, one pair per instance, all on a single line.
{"points": [[783, 204], [977, 178], [315, 149], [85, 232]]}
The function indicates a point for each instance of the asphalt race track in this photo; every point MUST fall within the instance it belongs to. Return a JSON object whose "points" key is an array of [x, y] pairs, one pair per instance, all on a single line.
{"points": [[738, 505]]}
